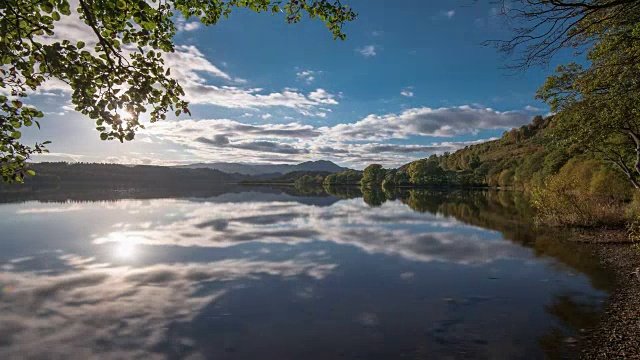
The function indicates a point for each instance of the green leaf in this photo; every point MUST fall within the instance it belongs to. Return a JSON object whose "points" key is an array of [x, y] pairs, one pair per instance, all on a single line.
{"points": [[16, 135], [46, 7], [80, 44], [31, 172], [64, 8], [56, 16]]}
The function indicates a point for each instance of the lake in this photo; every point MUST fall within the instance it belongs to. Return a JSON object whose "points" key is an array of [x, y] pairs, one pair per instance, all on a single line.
{"points": [[261, 273]]}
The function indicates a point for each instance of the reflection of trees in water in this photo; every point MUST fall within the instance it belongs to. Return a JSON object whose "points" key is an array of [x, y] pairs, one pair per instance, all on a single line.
{"points": [[571, 314], [509, 213], [345, 192], [92, 193], [373, 196], [306, 190]]}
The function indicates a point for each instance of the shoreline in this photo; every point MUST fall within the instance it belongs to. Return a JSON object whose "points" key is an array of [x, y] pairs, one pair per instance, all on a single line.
{"points": [[616, 334]]}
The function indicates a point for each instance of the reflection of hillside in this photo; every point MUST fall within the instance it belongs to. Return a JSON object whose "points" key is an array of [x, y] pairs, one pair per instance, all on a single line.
{"points": [[507, 212], [345, 192], [504, 211], [97, 193]]}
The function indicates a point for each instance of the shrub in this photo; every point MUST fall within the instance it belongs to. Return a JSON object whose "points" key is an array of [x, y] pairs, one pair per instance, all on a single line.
{"points": [[633, 208], [506, 177], [563, 200]]}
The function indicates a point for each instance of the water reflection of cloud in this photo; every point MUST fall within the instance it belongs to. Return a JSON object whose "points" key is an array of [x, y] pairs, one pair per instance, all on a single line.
{"points": [[43, 209], [392, 229], [119, 312]]}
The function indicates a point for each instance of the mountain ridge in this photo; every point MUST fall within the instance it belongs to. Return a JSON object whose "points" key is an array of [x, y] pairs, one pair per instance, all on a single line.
{"points": [[262, 169]]}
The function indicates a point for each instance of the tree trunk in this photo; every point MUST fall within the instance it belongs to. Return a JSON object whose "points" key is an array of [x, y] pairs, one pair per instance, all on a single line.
{"points": [[636, 141]]}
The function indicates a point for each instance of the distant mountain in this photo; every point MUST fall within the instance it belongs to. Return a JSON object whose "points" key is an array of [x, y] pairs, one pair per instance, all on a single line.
{"points": [[124, 176], [262, 169]]}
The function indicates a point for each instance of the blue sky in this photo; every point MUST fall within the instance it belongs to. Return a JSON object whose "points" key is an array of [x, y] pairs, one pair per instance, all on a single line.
{"points": [[411, 79]]}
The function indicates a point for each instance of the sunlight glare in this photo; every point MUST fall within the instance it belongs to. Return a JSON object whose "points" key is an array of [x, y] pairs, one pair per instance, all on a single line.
{"points": [[125, 247], [125, 115]]}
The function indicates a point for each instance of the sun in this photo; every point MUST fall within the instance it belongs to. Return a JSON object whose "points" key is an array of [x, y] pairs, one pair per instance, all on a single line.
{"points": [[124, 114]]}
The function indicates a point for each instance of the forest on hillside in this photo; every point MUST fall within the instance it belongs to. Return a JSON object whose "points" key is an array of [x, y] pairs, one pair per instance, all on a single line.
{"points": [[522, 158], [568, 184], [115, 175]]}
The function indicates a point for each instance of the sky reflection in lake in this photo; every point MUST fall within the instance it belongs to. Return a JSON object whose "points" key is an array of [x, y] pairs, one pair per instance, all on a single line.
{"points": [[253, 274]]}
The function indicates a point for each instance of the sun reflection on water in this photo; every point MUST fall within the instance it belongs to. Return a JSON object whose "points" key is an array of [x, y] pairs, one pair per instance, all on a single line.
{"points": [[125, 249], [125, 246]]}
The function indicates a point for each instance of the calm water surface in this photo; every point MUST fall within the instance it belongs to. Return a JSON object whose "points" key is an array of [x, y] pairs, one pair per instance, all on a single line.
{"points": [[271, 274]]}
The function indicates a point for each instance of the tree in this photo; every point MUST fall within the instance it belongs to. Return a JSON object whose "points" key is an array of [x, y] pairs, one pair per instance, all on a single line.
{"points": [[426, 172], [122, 73], [599, 106], [373, 175], [541, 28]]}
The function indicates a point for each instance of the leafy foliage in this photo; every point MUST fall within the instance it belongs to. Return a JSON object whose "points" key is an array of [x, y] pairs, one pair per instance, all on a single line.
{"points": [[569, 198], [541, 28], [347, 177], [123, 75], [373, 175], [599, 106], [518, 159], [308, 180]]}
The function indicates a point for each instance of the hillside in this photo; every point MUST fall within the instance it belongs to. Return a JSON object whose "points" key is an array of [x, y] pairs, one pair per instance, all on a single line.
{"points": [[520, 157], [115, 175]]}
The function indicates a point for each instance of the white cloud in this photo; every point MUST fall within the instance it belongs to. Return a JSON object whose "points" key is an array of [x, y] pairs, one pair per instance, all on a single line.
{"points": [[253, 98], [183, 25], [406, 92], [192, 26], [367, 51], [445, 14], [367, 140], [307, 76], [188, 61], [185, 131], [323, 97], [533, 108], [442, 122]]}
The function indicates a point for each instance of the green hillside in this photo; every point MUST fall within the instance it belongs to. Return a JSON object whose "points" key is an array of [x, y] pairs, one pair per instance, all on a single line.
{"points": [[522, 158]]}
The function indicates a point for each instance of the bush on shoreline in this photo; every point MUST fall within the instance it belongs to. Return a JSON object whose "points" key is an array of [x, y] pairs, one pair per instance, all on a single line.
{"points": [[584, 193]]}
